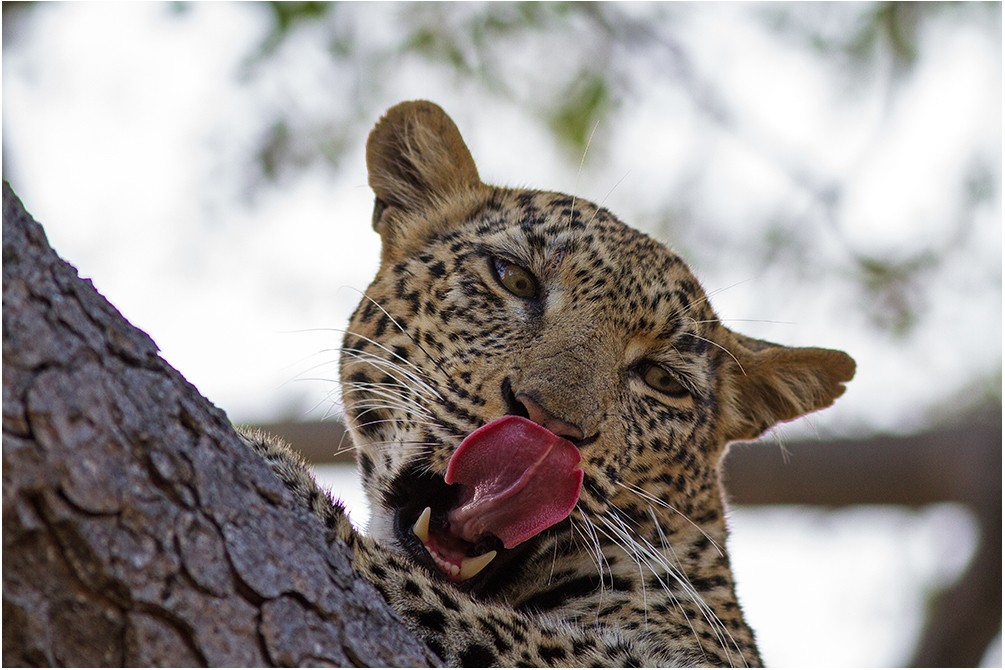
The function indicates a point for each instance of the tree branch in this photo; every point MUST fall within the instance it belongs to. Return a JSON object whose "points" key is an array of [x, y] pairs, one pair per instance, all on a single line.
{"points": [[138, 529]]}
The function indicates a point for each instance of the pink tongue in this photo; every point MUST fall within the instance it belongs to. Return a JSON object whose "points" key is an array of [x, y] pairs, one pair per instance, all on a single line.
{"points": [[518, 479]]}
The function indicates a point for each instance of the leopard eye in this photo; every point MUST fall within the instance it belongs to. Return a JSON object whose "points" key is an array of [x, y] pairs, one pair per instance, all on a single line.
{"points": [[661, 380], [517, 280]]}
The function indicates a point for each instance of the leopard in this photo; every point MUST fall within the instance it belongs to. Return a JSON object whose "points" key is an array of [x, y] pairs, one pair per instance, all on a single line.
{"points": [[540, 399]]}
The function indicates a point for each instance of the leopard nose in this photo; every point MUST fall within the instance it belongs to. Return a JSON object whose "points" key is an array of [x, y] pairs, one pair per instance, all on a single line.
{"points": [[544, 418]]}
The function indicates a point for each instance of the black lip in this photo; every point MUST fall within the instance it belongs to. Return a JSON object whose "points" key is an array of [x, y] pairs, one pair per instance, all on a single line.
{"points": [[409, 494], [503, 570], [408, 541]]}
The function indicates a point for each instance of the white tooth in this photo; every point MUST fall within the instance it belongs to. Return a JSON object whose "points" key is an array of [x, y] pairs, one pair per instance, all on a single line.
{"points": [[472, 566], [421, 527]]}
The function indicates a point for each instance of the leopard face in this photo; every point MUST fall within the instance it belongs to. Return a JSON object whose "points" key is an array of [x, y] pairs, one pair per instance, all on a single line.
{"points": [[493, 303]]}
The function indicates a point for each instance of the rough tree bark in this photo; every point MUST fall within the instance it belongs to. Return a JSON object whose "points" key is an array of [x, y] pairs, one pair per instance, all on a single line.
{"points": [[137, 528]]}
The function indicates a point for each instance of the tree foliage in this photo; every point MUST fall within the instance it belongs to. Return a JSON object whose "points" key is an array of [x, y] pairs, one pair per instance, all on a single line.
{"points": [[577, 75], [575, 67]]}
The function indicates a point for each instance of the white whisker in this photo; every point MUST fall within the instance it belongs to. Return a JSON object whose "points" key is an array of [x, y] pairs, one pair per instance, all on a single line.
{"points": [[406, 333], [388, 392], [653, 557], [641, 492], [716, 344], [365, 357]]}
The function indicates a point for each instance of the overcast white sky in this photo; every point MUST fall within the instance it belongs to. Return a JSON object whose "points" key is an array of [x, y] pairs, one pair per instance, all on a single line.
{"points": [[128, 129], [127, 132]]}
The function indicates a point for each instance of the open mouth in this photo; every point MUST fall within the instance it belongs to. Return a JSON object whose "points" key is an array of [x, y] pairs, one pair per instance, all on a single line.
{"points": [[455, 557], [422, 504], [507, 482]]}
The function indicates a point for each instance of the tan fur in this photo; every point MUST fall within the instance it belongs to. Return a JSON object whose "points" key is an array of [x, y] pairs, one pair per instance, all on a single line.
{"points": [[638, 574]]}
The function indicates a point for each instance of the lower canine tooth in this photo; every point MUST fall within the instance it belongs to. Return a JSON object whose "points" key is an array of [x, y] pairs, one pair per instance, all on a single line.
{"points": [[472, 566], [421, 527]]}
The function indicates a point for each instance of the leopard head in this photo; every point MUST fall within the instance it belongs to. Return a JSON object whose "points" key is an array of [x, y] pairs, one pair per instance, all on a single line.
{"points": [[530, 380]]}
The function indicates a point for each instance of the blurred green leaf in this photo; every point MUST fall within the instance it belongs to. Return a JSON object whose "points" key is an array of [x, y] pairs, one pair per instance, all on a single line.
{"points": [[583, 107], [894, 290], [275, 150], [440, 45], [287, 15]]}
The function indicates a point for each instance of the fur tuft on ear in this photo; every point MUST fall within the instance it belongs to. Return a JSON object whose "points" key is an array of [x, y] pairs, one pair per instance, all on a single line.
{"points": [[773, 383], [416, 156], [423, 177]]}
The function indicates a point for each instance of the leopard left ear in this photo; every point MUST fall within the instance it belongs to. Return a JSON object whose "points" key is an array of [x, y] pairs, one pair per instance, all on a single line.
{"points": [[417, 162], [769, 383]]}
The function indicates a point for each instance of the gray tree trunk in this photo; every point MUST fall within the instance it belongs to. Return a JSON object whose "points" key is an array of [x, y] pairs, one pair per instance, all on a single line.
{"points": [[137, 527]]}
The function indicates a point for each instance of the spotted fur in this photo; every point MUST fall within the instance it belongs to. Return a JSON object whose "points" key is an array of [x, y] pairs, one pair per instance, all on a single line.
{"points": [[638, 574]]}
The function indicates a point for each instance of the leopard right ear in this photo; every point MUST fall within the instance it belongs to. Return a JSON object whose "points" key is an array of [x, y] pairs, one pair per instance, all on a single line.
{"points": [[769, 383], [416, 160]]}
